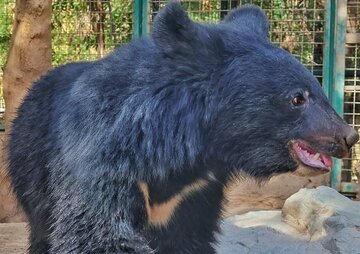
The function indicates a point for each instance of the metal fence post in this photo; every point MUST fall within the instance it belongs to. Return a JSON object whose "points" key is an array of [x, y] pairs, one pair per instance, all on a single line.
{"points": [[140, 18], [334, 67]]}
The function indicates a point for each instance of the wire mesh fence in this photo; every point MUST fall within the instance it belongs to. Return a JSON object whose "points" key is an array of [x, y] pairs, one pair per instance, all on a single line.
{"points": [[350, 172], [81, 30], [89, 29], [296, 25]]}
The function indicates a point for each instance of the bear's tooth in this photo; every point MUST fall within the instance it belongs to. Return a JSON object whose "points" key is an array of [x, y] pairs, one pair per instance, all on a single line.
{"points": [[316, 156]]}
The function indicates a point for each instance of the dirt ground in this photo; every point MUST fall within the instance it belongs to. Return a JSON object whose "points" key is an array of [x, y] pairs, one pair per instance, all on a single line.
{"points": [[13, 238]]}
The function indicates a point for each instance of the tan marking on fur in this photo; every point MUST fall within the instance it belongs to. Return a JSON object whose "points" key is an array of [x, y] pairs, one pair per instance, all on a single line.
{"points": [[160, 214]]}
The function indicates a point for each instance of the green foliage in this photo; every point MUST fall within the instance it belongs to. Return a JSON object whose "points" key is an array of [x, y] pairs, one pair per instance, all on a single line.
{"points": [[204, 11], [75, 31], [296, 26], [6, 20], [6, 14]]}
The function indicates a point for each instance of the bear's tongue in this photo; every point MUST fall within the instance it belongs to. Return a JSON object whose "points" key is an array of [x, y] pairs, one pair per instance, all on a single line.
{"points": [[312, 159]]}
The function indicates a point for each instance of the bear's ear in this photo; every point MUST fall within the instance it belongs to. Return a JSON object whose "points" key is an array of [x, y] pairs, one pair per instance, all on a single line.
{"points": [[173, 30], [249, 18]]}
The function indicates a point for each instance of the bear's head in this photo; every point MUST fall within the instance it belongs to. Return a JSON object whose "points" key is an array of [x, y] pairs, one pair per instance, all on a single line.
{"points": [[268, 112]]}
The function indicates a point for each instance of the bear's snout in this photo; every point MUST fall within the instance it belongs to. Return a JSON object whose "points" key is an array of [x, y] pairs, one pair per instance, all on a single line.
{"points": [[351, 138]]}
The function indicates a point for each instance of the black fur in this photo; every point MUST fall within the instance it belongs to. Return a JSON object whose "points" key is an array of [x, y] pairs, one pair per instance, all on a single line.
{"points": [[190, 102]]}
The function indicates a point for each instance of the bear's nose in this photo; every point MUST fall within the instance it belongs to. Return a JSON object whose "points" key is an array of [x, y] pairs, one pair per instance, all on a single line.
{"points": [[352, 138]]}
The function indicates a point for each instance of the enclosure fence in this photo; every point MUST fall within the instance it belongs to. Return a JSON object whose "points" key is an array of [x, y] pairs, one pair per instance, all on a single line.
{"points": [[350, 169], [317, 32]]}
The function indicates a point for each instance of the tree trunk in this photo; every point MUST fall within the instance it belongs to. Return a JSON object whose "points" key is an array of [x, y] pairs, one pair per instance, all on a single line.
{"points": [[29, 56], [98, 14]]}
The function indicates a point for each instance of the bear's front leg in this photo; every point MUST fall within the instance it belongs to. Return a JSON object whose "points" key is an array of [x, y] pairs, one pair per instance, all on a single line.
{"points": [[105, 217]]}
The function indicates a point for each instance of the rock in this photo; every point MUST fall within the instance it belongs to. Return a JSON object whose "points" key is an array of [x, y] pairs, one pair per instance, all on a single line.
{"points": [[312, 221], [309, 211], [293, 230]]}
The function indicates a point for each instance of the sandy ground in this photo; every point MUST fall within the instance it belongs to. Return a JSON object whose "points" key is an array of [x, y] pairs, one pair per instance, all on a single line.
{"points": [[13, 238]]}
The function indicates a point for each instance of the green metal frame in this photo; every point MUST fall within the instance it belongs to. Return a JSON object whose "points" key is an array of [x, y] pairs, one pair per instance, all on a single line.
{"points": [[140, 18], [329, 47], [334, 68]]}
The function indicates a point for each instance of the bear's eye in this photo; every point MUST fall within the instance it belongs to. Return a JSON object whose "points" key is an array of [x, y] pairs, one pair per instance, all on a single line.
{"points": [[298, 100]]}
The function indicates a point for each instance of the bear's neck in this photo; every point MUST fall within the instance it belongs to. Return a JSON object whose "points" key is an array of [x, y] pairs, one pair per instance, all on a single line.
{"points": [[191, 202]]}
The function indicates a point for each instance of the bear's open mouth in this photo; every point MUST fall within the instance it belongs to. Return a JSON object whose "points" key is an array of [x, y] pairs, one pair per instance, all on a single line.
{"points": [[311, 158]]}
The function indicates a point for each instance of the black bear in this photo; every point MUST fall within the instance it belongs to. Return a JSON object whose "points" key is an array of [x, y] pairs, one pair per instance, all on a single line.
{"points": [[130, 154]]}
